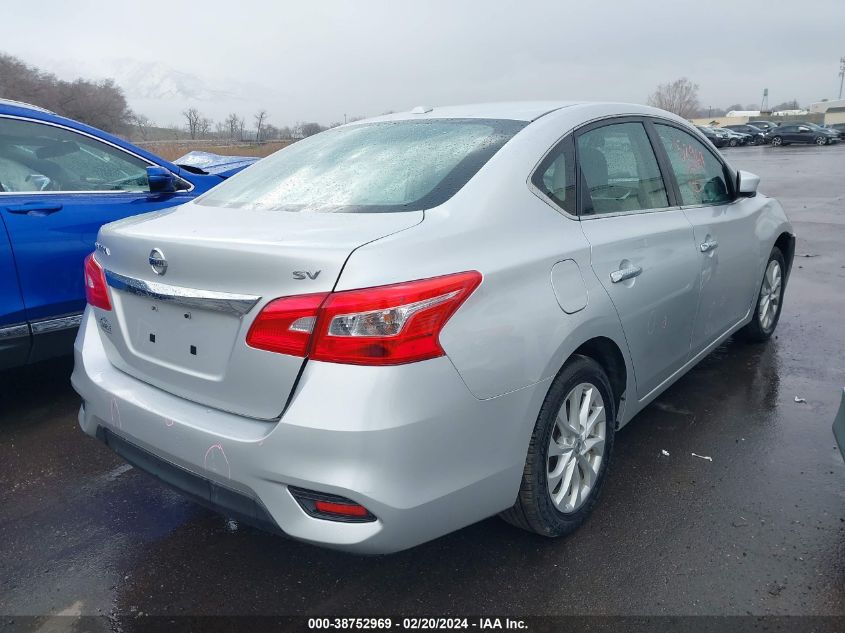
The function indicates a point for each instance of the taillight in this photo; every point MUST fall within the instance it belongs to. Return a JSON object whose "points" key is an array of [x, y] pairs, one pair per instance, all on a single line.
{"points": [[96, 291], [390, 325], [385, 325], [285, 325]]}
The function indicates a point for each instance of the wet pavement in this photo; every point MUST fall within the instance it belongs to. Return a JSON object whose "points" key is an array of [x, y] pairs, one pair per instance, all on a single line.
{"points": [[760, 529]]}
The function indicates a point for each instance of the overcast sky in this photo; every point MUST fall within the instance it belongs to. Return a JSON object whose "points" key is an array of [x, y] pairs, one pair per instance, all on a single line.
{"points": [[322, 59]]}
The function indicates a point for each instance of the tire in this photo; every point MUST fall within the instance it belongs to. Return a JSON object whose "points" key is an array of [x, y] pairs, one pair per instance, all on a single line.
{"points": [[733, 142], [763, 324], [535, 510], [821, 140], [777, 140]]}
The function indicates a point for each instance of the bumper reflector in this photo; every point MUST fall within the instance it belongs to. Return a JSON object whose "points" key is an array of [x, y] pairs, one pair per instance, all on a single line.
{"points": [[321, 505]]}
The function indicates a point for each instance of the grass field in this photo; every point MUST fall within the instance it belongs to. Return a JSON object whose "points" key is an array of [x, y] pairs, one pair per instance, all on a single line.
{"points": [[171, 150]]}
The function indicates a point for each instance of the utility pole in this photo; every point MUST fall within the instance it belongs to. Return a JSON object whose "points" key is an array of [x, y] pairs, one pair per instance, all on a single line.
{"points": [[841, 74]]}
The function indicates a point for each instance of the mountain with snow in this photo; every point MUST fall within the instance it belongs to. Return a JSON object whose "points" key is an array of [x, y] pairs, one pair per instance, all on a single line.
{"points": [[155, 80]]}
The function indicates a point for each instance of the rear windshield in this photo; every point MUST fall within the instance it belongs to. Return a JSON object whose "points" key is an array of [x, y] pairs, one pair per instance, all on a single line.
{"points": [[368, 168]]}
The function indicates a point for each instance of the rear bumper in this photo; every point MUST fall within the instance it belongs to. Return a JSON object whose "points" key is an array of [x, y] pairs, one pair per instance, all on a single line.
{"points": [[410, 443]]}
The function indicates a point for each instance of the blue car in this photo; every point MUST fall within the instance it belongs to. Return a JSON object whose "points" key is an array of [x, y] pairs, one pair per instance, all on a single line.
{"points": [[60, 180]]}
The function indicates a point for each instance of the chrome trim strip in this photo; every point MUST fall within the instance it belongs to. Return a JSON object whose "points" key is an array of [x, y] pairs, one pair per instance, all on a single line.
{"points": [[53, 325], [235, 304], [14, 331]]}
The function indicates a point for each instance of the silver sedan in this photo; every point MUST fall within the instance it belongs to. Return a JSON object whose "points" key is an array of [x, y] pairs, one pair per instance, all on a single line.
{"points": [[404, 325]]}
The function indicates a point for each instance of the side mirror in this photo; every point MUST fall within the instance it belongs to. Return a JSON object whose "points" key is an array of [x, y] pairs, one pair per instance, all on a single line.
{"points": [[161, 180], [746, 184]]}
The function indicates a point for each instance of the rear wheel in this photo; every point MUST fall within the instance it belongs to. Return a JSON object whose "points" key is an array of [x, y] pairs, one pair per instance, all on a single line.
{"points": [[569, 451], [777, 140], [769, 301], [733, 142]]}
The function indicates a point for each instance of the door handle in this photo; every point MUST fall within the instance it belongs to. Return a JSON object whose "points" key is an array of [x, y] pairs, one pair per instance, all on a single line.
{"points": [[625, 273], [708, 246], [35, 208]]}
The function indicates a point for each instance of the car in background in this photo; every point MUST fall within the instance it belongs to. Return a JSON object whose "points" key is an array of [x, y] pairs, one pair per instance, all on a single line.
{"points": [[369, 349], [766, 126], [839, 127], [735, 138], [719, 139], [758, 136], [60, 180], [803, 133], [824, 128]]}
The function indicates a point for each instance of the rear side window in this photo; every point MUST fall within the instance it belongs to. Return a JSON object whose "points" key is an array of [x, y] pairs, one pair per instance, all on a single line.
{"points": [[555, 176], [376, 167], [39, 157], [701, 177], [620, 170]]}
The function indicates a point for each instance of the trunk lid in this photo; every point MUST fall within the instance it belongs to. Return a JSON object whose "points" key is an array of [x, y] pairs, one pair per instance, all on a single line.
{"points": [[184, 331]]}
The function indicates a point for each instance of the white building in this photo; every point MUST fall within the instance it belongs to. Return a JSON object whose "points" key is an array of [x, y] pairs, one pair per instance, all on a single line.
{"points": [[833, 110], [745, 113], [823, 106]]}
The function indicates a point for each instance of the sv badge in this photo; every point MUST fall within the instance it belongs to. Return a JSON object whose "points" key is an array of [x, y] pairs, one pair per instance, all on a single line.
{"points": [[302, 274]]}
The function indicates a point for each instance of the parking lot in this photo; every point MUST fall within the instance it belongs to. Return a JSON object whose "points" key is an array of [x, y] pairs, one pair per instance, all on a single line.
{"points": [[759, 530]]}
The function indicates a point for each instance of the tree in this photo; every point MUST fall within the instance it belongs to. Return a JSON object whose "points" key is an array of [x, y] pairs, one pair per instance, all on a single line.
{"points": [[679, 97], [192, 119], [310, 129], [260, 117], [233, 125], [787, 105], [98, 103], [142, 123], [204, 127]]}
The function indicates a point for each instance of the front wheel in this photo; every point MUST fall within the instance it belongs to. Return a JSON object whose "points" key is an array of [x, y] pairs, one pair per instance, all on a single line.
{"points": [[569, 451], [733, 142], [821, 140], [776, 141], [769, 301]]}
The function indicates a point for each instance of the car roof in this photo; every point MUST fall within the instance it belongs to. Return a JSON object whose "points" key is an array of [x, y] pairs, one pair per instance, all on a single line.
{"points": [[26, 106], [512, 110], [521, 111]]}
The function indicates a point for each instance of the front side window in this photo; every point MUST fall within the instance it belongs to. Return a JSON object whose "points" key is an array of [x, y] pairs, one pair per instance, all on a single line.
{"points": [[35, 157], [700, 176], [620, 170], [373, 167]]}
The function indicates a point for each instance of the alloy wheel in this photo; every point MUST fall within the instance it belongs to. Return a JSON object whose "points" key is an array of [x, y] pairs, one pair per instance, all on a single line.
{"points": [[821, 140], [576, 447], [770, 293], [777, 141]]}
